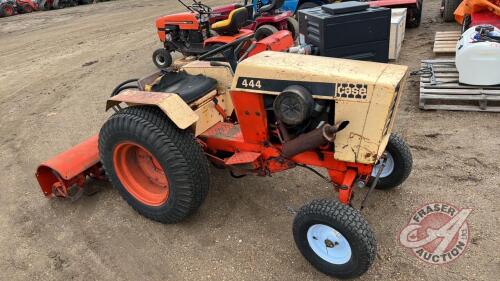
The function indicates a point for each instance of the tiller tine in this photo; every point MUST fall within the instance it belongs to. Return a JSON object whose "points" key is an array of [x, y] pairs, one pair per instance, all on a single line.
{"points": [[64, 175]]}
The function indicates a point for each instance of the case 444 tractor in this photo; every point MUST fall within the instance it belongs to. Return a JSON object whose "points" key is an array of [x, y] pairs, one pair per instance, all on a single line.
{"points": [[202, 28], [271, 112]]}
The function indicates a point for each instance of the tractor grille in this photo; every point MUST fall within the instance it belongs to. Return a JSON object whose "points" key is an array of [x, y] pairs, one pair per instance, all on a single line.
{"points": [[392, 109]]}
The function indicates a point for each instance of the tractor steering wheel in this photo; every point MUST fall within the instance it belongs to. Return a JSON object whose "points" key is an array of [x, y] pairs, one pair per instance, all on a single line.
{"points": [[201, 8], [232, 57]]}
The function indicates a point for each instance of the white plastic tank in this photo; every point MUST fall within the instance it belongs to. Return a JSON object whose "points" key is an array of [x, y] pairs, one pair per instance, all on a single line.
{"points": [[478, 57]]}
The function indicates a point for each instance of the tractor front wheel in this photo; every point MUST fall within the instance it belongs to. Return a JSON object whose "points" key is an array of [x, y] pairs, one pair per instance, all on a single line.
{"points": [[158, 168], [264, 31], [398, 164], [162, 58], [334, 238]]}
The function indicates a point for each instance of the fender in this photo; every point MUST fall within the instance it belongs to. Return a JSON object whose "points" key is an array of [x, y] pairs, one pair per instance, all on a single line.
{"points": [[222, 39], [171, 104]]}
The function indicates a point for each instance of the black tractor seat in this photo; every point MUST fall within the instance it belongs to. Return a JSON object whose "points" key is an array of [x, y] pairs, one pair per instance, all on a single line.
{"points": [[272, 5], [188, 87]]}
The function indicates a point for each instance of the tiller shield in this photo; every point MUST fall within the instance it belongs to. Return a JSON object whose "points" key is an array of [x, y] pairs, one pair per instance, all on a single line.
{"points": [[64, 175]]}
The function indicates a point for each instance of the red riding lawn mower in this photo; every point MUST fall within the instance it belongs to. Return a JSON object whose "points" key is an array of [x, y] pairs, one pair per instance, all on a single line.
{"points": [[26, 6], [203, 28], [9, 7], [60, 4]]}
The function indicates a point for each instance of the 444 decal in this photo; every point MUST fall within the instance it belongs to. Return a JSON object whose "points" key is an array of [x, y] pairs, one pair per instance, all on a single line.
{"points": [[251, 83], [277, 86]]}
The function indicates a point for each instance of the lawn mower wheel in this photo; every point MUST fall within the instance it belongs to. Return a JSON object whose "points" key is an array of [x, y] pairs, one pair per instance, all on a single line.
{"points": [[6, 10], [162, 58], [264, 31], [293, 27]]}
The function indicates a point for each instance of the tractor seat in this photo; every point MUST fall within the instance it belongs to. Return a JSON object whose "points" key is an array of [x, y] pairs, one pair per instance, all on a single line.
{"points": [[272, 5], [232, 25], [188, 87]]}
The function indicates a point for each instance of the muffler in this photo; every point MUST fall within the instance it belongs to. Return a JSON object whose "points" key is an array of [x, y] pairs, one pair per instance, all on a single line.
{"points": [[313, 139]]}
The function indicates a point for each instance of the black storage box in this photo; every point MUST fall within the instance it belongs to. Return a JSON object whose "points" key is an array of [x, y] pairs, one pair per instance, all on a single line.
{"points": [[349, 30]]}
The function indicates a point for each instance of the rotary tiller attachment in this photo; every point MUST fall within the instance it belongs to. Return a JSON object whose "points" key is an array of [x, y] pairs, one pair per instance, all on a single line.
{"points": [[64, 175]]}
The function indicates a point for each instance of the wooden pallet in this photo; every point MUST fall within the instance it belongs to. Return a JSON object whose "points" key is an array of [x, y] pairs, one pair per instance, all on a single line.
{"points": [[440, 90], [445, 42]]}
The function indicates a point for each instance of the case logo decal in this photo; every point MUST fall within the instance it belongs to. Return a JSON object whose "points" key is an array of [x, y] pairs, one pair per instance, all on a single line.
{"points": [[351, 91]]}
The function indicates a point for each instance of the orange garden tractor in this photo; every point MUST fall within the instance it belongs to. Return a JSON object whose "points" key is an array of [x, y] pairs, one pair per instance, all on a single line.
{"points": [[268, 113], [202, 28]]}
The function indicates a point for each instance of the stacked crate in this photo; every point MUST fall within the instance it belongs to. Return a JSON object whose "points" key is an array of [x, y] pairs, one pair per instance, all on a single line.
{"points": [[397, 35]]}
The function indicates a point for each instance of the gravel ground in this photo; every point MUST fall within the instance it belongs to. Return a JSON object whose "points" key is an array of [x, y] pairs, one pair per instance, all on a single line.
{"points": [[57, 69]]}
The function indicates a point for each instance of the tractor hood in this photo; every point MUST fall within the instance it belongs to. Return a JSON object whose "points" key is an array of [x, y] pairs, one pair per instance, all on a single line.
{"points": [[365, 93], [326, 78]]}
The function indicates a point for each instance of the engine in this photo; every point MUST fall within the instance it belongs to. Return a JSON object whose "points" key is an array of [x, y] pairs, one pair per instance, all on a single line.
{"points": [[296, 110], [308, 95]]}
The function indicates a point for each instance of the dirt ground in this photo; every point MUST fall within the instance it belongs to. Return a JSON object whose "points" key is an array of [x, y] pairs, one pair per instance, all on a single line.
{"points": [[56, 70]]}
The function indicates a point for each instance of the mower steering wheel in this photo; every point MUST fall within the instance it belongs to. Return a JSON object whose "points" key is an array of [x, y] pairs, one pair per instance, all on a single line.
{"points": [[201, 8], [231, 57]]}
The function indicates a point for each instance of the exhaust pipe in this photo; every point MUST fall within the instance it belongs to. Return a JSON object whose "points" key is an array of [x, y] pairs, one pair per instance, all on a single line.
{"points": [[313, 139]]}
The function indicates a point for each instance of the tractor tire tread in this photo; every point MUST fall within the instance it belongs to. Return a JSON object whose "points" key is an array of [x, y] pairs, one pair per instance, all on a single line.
{"points": [[449, 9], [264, 31], [397, 143], [293, 27], [349, 222], [176, 146]]}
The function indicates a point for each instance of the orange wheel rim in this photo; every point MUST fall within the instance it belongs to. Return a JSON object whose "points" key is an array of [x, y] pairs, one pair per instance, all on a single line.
{"points": [[140, 173]]}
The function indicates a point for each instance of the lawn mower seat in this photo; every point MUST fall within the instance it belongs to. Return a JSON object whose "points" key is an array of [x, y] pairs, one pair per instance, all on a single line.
{"points": [[272, 5], [232, 25], [188, 87]]}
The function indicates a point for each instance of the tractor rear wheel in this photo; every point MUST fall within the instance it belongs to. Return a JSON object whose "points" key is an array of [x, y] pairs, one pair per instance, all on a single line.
{"points": [[308, 5], [27, 9], [293, 27], [448, 8], [334, 238], [162, 58], [159, 169], [398, 164], [6, 10], [414, 17], [264, 31]]}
